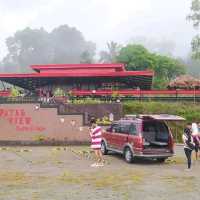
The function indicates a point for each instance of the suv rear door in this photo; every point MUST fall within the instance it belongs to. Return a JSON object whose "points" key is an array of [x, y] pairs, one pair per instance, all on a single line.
{"points": [[134, 138]]}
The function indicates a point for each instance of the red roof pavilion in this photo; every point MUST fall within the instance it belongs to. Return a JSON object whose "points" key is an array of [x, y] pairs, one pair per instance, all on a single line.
{"points": [[53, 73]]}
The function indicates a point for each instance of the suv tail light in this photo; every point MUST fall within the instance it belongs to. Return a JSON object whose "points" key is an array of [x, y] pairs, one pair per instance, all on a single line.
{"points": [[171, 142], [141, 142]]}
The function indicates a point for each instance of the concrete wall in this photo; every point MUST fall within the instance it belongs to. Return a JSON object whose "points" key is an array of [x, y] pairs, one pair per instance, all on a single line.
{"points": [[27, 123], [97, 110]]}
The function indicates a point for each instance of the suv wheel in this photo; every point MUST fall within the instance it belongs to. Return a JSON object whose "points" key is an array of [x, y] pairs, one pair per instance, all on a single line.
{"points": [[161, 160], [128, 155], [103, 148]]}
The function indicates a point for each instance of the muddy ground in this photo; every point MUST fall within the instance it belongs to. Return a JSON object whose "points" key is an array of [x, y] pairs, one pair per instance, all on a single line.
{"points": [[64, 173]]}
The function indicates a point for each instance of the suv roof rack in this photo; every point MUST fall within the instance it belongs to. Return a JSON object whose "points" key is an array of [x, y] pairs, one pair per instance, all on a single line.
{"points": [[164, 117], [130, 117]]}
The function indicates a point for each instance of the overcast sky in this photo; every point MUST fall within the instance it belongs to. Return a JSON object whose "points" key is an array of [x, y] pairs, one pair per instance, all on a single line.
{"points": [[102, 20]]}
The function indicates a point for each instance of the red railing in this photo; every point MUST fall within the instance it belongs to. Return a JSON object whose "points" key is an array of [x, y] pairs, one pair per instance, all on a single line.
{"points": [[5, 93], [136, 92]]}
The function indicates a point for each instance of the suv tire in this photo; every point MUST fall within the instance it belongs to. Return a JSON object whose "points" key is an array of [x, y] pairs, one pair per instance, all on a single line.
{"points": [[128, 155], [104, 148], [161, 160]]}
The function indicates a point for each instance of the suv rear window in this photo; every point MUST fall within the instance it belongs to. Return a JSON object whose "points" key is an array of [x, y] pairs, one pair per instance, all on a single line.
{"points": [[124, 128], [132, 129], [115, 128]]}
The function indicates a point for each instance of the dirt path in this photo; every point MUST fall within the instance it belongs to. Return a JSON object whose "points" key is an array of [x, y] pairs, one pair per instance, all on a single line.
{"points": [[50, 173]]}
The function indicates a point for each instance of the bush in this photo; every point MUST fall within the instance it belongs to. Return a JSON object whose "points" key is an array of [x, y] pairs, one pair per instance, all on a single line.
{"points": [[86, 101], [59, 92], [15, 92], [104, 121], [40, 138]]}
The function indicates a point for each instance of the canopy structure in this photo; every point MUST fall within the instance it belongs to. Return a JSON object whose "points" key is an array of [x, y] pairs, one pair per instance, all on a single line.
{"points": [[79, 73], [185, 82]]}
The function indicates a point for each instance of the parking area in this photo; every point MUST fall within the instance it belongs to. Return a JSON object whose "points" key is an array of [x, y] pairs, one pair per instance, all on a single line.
{"points": [[61, 173]]}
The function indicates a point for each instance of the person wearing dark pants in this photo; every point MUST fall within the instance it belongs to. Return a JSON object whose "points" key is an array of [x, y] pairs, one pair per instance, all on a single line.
{"points": [[188, 144], [188, 153]]}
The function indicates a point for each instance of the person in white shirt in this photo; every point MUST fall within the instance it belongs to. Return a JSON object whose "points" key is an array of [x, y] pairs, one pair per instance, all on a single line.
{"points": [[188, 144], [195, 135]]}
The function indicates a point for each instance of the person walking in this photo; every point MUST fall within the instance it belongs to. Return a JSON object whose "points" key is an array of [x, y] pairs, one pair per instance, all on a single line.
{"points": [[96, 139], [188, 144]]}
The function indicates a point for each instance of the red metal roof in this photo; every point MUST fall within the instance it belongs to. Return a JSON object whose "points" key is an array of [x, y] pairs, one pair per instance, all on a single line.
{"points": [[78, 67], [76, 74], [79, 70]]}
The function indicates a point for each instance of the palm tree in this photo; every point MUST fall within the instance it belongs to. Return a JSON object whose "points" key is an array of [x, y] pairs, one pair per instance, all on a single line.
{"points": [[111, 54]]}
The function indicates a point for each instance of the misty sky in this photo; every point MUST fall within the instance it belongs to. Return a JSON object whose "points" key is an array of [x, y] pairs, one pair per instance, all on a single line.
{"points": [[102, 20]]}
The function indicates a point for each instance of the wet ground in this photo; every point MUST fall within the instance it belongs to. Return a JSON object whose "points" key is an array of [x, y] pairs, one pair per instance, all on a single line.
{"points": [[64, 173]]}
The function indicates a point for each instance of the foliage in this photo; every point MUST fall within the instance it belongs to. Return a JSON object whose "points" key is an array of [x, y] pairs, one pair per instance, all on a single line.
{"points": [[136, 57], [194, 16], [86, 57], [111, 54], [15, 92], [86, 101], [193, 66], [37, 46], [167, 68], [190, 112], [104, 121], [40, 138], [59, 92], [160, 83], [196, 47]]}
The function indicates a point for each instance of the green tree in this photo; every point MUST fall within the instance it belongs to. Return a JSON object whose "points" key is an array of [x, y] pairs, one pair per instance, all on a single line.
{"points": [[36, 46], [69, 44], [86, 57], [167, 67], [192, 66], [111, 54], [136, 57], [26, 47], [194, 16]]}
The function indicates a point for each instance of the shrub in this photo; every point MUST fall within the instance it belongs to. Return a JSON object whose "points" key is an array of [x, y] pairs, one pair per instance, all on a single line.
{"points": [[59, 92], [15, 92], [87, 101]]}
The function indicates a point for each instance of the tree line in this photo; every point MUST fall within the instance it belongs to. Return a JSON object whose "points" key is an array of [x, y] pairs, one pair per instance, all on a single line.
{"points": [[66, 44]]}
